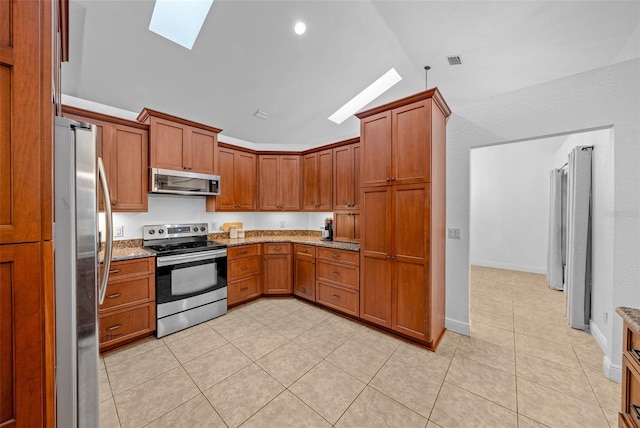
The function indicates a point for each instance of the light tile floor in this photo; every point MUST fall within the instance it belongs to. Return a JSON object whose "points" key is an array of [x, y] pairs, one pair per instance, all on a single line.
{"points": [[285, 363]]}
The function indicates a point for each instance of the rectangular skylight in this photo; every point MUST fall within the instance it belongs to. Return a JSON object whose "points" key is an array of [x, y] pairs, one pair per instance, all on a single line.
{"points": [[179, 20], [369, 94]]}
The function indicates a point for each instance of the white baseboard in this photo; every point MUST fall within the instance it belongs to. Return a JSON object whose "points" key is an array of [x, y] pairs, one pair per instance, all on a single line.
{"points": [[600, 338], [457, 326], [613, 371], [509, 266]]}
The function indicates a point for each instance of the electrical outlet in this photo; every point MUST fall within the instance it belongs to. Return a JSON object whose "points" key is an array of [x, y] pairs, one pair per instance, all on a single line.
{"points": [[214, 226], [282, 226], [454, 233], [118, 232]]}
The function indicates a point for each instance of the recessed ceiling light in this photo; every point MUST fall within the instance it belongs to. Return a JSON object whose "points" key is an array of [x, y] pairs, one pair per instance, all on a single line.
{"points": [[262, 114], [369, 94], [179, 21], [300, 28]]}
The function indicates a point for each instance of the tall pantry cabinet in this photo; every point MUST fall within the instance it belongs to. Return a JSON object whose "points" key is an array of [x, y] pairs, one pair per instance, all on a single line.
{"points": [[403, 216]]}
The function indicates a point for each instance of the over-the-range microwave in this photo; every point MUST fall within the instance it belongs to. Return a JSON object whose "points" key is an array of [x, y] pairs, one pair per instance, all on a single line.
{"points": [[183, 183]]}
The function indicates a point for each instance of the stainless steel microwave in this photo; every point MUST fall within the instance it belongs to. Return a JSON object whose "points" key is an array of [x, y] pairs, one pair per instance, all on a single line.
{"points": [[183, 183]]}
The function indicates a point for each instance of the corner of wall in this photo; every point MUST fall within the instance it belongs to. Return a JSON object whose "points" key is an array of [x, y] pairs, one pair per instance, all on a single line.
{"points": [[457, 326]]}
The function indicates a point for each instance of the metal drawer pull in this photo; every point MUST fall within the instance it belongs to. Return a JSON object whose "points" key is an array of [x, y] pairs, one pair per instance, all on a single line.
{"points": [[636, 410], [277, 248], [636, 353], [335, 296], [244, 268], [114, 271], [304, 290], [335, 255], [115, 327], [335, 273], [113, 296], [243, 252], [304, 251], [244, 289]]}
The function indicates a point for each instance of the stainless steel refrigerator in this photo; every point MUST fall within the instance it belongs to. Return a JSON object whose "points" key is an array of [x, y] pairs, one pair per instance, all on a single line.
{"points": [[78, 288]]}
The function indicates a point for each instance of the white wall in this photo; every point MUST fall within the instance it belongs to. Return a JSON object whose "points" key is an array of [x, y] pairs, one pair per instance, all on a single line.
{"points": [[601, 98], [510, 204]]}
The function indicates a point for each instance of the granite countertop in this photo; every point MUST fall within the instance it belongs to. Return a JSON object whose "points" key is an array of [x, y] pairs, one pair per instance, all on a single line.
{"points": [[631, 316], [118, 254], [295, 239]]}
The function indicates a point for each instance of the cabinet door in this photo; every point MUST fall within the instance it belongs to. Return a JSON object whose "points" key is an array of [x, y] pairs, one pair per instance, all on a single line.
{"points": [[289, 183], [202, 145], [225, 201], [310, 185], [343, 226], [304, 282], [268, 183], [168, 142], [376, 264], [375, 136], [343, 178], [325, 181], [411, 139], [410, 253], [22, 350], [245, 289], [126, 160], [276, 273], [245, 181]]}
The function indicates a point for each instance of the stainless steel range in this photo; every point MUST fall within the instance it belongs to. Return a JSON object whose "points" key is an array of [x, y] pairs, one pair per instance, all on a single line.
{"points": [[191, 275]]}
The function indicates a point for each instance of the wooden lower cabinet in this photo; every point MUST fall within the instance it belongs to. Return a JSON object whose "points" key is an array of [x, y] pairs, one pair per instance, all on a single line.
{"points": [[629, 416], [276, 268], [129, 308], [243, 273], [304, 272], [346, 226], [338, 280]]}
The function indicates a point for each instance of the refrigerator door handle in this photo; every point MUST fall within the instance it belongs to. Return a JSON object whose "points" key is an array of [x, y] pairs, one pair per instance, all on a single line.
{"points": [[109, 231]]}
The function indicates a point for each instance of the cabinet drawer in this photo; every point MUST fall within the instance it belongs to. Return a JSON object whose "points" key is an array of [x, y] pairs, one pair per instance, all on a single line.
{"points": [[135, 290], [352, 257], [338, 298], [632, 344], [123, 325], [305, 249], [243, 251], [124, 268], [345, 275], [239, 291], [277, 248], [630, 392], [243, 267]]}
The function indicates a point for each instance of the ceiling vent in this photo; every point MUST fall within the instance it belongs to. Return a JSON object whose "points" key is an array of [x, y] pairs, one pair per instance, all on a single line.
{"points": [[262, 114], [454, 60]]}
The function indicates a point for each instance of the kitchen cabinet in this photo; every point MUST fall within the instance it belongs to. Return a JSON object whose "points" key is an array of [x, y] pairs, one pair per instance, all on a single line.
{"points": [[29, 56], [629, 416], [338, 280], [317, 181], [128, 312], [237, 170], [277, 269], [346, 191], [304, 272], [123, 146], [279, 182], [403, 216], [179, 144], [243, 273]]}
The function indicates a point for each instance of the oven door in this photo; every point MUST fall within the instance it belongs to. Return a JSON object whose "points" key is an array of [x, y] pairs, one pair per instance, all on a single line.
{"points": [[182, 276]]}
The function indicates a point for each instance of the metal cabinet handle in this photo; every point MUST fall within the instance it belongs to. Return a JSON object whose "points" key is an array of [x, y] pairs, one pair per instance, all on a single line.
{"points": [[388, 257], [114, 202], [393, 179], [244, 268], [244, 252], [244, 289], [304, 251], [313, 262], [636, 354], [335, 297], [636, 410], [115, 327], [388, 179], [114, 295], [335, 255], [114, 271], [277, 248], [335, 273], [393, 257]]}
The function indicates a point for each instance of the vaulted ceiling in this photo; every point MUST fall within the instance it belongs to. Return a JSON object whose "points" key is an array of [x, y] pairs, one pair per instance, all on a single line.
{"points": [[247, 56]]}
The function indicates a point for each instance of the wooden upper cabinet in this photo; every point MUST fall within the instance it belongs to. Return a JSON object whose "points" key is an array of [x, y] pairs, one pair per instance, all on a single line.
{"points": [[346, 177], [279, 182], [317, 181], [376, 165], [180, 144], [238, 183], [123, 146]]}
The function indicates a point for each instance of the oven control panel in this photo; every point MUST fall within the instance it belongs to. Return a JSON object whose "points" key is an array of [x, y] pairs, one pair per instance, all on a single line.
{"points": [[174, 231]]}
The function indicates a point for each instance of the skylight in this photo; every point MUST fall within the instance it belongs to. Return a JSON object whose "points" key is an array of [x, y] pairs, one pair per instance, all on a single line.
{"points": [[369, 94], [179, 20]]}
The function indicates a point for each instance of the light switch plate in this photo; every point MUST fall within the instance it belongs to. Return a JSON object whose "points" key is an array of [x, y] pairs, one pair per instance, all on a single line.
{"points": [[118, 231], [454, 233]]}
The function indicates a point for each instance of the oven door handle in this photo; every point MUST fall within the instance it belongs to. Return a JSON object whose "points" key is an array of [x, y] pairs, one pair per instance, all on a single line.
{"points": [[188, 258]]}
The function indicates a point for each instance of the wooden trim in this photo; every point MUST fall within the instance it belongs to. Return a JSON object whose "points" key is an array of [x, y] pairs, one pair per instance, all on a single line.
{"points": [[64, 30], [146, 113], [431, 93], [302, 153], [222, 144], [104, 117], [332, 145], [49, 334]]}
